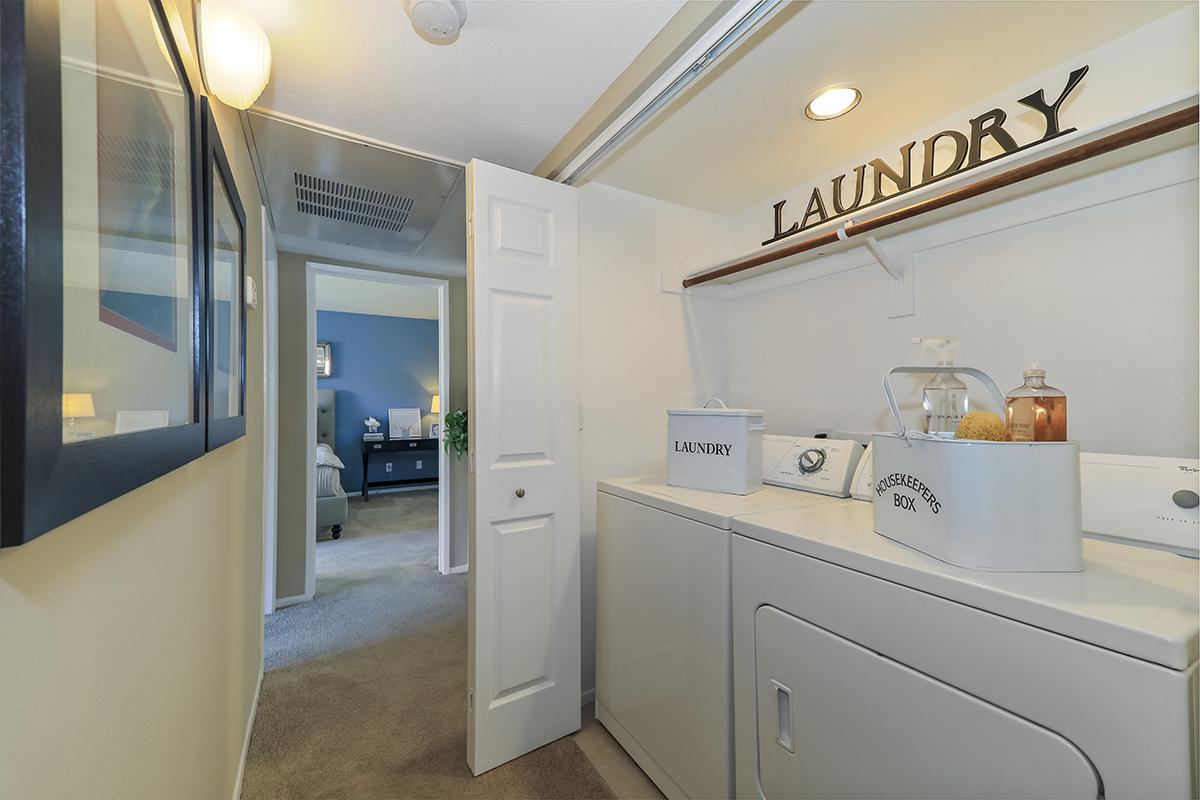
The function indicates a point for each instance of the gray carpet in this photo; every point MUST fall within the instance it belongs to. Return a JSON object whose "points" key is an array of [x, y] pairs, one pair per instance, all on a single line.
{"points": [[364, 695]]}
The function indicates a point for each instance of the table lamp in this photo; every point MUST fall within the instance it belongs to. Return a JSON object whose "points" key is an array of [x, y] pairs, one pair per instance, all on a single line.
{"points": [[75, 405], [435, 406]]}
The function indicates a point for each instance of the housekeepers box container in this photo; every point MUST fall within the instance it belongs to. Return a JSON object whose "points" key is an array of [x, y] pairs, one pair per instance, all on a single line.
{"points": [[1000, 506], [719, 449]]}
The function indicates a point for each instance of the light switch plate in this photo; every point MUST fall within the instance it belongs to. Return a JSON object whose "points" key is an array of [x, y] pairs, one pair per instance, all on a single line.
{"points": [[251, 293]]}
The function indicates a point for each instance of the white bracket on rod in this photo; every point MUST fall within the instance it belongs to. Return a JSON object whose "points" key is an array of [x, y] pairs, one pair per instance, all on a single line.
{"points": [[894, 269], [902, 271]]}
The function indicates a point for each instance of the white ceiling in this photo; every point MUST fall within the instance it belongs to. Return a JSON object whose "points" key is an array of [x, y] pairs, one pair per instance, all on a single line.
{"points": [[337, 293], [740, 134], [520, 75]]}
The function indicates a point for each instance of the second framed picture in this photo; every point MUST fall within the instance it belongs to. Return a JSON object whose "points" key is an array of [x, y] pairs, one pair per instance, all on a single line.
{"points": [[225, 275]]}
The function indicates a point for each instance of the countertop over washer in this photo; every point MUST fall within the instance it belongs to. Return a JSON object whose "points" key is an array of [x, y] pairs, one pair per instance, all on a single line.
{"points": [[1144, 603]]}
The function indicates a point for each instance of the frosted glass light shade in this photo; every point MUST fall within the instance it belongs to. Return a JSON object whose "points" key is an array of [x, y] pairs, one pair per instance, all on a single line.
{"points": [[435, 407], [234, 52], [78, 405]]}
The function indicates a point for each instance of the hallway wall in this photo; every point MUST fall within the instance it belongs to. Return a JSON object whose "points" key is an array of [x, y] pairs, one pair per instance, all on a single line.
{"points": [[293, 431], [130, 638]]}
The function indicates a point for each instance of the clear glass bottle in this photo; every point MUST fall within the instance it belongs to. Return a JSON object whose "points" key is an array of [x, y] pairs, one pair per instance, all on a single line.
{"points": [[1036, 411], [944, 399]]}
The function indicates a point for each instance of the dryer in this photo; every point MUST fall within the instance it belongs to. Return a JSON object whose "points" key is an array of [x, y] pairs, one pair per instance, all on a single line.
{"points": [[664, 682], [863, 668]]}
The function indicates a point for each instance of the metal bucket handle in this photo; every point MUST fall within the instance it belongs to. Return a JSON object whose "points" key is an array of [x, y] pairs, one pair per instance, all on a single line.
{"points": [[714, 400], [977, 374]]}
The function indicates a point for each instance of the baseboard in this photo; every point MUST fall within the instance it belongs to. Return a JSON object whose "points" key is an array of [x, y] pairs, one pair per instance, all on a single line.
{"points": [[643, 759], [588, 696], [284, 602], [241, 773], [460, 569]]}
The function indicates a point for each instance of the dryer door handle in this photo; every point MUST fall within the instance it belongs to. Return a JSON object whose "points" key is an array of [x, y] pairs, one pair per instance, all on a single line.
{"points": [[783, 707]]}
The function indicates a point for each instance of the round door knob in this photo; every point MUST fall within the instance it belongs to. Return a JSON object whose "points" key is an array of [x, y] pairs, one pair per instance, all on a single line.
{"points": [[1185, 498], [812, 460], [520, 492]]}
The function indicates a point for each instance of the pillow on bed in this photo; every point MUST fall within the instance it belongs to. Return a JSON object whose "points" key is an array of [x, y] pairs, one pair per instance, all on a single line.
{"points": [[327, 458]]}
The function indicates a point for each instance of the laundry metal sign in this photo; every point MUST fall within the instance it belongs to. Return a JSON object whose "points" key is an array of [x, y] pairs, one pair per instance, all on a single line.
{"points": [[967, 149]]}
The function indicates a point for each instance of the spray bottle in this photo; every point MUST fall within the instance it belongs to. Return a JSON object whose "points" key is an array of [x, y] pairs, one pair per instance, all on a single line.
{"points": [[944, 397]]}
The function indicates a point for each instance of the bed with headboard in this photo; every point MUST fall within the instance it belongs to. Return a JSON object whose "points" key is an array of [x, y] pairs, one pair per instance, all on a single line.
{"points": [[331, 498]]}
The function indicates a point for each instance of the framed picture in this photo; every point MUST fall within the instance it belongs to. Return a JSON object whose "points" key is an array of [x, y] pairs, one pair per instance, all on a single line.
{"points": [[404, 423], [101, 200], [225, 275], [324, 359], [435, 430]]}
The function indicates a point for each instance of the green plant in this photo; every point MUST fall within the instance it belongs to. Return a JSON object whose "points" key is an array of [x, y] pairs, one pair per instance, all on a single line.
{"points": [[456, 432]]}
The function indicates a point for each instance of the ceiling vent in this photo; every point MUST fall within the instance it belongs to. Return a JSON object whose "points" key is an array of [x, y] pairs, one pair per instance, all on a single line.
{"points": [[348, 203]]}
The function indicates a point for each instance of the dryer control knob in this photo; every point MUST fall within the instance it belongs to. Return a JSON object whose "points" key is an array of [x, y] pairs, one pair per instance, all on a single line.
{"points": [[811, 460], [1186, 498]]}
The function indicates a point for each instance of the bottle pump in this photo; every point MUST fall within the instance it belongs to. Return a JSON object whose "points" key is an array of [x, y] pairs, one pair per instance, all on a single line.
{"points": [[944, 397]]}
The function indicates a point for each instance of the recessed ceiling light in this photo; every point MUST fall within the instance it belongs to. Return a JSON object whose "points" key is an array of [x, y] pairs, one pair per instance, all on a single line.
{"points": [[832, 102]]}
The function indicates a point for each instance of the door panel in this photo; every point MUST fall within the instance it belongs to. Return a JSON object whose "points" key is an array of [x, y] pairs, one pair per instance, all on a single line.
{"points": [[523, 611], [838, 720]]}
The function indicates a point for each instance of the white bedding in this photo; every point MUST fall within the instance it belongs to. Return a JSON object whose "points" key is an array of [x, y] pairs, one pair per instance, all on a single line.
{"points": [[326, 457], [329, 482], [329, 478]]}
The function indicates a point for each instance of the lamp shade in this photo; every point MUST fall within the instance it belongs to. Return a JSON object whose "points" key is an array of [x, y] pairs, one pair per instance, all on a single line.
{"points": [[78, 405], [435, 406], [234, 53]]}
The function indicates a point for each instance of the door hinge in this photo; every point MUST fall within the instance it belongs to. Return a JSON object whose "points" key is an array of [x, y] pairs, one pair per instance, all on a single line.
{"points": [[470, 227]]}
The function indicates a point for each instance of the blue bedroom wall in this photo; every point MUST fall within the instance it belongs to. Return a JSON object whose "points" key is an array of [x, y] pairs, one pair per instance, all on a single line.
{"points": [[378, 363]]}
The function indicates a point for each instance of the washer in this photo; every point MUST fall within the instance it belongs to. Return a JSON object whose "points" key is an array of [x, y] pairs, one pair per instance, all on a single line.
{"points": [[663, 631], [863, 668]]}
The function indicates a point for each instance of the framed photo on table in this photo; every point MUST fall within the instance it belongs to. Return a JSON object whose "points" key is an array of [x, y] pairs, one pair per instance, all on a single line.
{"points": [[404, 423]]}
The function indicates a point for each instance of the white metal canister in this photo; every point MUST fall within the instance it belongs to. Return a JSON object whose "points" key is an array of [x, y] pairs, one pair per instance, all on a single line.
{"points": [[1001, 506], [719, 449]]}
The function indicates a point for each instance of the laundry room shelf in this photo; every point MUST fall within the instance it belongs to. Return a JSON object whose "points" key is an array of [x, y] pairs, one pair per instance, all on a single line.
{"points": [[1057, 162]]}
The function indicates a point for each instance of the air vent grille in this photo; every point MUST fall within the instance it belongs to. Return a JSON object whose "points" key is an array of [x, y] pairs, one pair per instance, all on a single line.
{"points": [[345, 202]]}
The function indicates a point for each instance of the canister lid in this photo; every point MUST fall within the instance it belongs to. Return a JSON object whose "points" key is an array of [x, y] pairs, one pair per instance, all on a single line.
{"points": [[715, 412]]}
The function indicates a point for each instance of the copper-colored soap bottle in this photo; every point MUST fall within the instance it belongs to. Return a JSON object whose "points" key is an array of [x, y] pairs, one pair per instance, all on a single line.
{"points": [[1036, 411]]}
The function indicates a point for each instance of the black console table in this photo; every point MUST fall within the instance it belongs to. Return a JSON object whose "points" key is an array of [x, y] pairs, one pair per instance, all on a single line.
{"points": [[393, 446]]}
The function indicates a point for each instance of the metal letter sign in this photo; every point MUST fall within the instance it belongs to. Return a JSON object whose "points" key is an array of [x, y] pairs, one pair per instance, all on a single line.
{"points": [[966, 151]]}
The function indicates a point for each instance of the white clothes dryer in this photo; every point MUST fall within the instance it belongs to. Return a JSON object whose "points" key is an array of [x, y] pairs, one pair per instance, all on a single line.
{"points": [[863, 668], [664, 682]]}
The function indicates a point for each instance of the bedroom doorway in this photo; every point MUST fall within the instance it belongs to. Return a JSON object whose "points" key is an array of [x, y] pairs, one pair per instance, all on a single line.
{"points": [[379, 371]]}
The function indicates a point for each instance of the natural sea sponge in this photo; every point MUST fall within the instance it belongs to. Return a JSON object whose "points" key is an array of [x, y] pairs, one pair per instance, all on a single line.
{"points": [[982, 425]]}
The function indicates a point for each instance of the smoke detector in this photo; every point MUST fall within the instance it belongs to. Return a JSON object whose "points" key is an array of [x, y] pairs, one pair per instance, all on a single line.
{"points": [[437, 21]]}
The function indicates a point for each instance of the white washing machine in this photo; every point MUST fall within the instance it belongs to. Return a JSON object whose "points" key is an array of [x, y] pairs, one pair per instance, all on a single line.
{"points": [[863, 668], [663, 675]]}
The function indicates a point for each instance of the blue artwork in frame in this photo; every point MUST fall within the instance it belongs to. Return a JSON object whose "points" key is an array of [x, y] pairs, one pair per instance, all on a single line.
{"points": [[138, 280]]}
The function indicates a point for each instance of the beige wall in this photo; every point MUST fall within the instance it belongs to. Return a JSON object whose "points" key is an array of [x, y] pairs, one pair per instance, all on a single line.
{"points": [[293, 535], [130, 638]]}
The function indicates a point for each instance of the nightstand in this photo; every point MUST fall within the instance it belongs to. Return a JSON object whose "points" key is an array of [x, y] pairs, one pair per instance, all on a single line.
{"points": [[402, 448]]}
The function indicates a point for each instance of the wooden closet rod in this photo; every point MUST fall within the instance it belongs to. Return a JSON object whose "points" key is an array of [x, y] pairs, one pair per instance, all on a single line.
{"points": [[1133, 135]]}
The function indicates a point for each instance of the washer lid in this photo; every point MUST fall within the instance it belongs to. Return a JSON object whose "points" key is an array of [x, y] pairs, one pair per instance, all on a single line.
{"points": [[1144, 603], [711, 508]]}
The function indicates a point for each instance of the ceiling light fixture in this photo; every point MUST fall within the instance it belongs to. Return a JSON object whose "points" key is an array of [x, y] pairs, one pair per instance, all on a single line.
{"points": [[235, 53], [832, 102]]}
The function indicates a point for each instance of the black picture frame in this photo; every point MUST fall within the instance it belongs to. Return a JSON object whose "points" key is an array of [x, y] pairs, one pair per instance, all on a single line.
{"points": [[221, 430], [45, 482]]}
